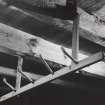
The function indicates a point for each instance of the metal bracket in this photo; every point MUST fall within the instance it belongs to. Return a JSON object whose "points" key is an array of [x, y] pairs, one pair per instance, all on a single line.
{"points": [[46, 64], [8, 84], [64, 51]]}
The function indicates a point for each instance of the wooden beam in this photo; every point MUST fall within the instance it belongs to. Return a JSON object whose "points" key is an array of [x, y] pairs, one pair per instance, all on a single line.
{"points": [[96, 69], [18, 41], [88, 23], [83, 63], [14, 42]]}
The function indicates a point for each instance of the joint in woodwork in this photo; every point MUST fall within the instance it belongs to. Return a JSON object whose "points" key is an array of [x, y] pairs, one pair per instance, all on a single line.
{"points": [[64, 51]]}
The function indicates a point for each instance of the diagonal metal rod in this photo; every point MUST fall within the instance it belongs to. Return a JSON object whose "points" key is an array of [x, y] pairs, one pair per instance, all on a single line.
{"points": [[46, 65], [8, 84], [64, 51], [25, 76]]}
